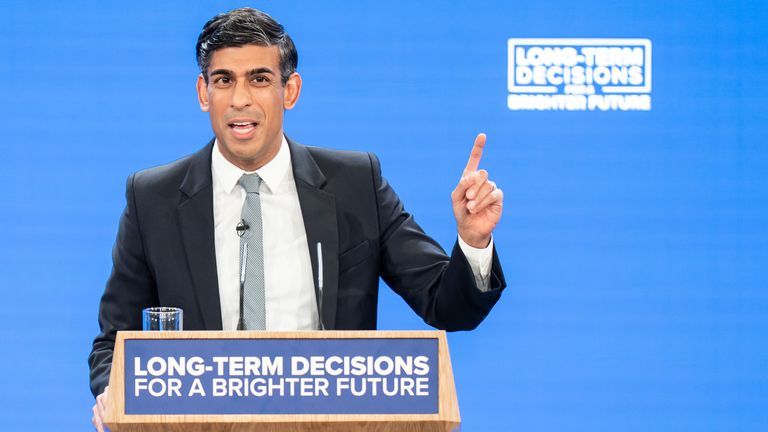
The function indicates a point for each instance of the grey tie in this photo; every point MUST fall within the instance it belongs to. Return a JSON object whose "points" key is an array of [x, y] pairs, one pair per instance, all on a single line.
{"points": [[254, 310]]}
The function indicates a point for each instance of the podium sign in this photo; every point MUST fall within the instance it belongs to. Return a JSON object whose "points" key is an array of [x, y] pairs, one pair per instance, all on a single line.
{"points": [[264, 381], [281, 376]]}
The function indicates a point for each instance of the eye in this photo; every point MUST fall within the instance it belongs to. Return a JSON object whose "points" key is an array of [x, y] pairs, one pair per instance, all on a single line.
{"points": [[222, 81], [260, 81]]}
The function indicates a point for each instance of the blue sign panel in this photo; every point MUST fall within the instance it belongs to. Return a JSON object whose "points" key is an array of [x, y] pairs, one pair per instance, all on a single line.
{"points": [[281, 376]]}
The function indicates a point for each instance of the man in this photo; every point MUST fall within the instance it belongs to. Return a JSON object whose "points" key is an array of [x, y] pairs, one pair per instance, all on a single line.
{"points": [[316, 227]]}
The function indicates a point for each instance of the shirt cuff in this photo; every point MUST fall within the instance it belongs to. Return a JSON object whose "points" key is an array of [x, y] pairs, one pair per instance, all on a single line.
{"points": [[480, 261]]}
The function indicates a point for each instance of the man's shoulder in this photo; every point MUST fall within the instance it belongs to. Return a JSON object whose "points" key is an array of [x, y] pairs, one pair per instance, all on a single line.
{"points": [[340, 168], [173, 174], [336, 156]]}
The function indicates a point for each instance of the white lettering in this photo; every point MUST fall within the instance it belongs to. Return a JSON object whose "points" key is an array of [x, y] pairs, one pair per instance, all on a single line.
{"points": [[196, 388], [299, 366]]}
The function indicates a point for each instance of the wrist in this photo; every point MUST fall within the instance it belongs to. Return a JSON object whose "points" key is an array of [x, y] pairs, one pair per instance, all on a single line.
{"points": [[476, 241]]}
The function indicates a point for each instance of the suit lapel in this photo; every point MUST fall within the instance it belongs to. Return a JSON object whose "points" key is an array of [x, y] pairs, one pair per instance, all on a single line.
{"points": [[195, 213], [318, 209]]}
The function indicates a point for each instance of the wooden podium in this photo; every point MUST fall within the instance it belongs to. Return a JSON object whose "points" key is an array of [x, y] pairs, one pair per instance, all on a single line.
{"points": [[444, 417]]}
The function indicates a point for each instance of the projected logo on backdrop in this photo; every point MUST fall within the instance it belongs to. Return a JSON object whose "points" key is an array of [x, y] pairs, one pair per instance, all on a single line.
{"points": [[579, 74]]}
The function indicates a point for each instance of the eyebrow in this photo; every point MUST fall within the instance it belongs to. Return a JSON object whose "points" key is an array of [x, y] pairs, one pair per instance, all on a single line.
{"points": [[262, 70], [255, 71]]}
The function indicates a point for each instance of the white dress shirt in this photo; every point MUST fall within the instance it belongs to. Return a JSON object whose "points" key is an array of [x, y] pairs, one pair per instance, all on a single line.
{"points": [[289, 288], [288, 284]]}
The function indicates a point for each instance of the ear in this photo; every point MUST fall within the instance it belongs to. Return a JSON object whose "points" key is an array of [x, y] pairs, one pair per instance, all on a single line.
{"points": [[202, 93], [292, 91]]}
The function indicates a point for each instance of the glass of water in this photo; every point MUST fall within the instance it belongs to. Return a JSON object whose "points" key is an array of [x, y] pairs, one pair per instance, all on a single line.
{"points": [[163, 319]]}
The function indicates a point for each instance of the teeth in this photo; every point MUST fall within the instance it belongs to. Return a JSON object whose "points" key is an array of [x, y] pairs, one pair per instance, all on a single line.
{"points": [[242, 128]]}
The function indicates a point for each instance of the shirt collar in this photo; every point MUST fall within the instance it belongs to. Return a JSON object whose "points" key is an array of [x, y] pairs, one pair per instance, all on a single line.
{"points": [[226, 175]]}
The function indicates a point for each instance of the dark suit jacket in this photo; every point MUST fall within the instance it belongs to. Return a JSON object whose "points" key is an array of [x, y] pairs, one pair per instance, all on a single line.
{"points": [[164, 254]]}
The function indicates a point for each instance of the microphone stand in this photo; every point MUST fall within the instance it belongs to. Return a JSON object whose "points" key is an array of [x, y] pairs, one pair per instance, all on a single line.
{"points": [[243, 261]]}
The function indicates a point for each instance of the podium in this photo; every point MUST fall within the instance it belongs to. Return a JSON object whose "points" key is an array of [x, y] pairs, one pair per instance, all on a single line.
{"points": [[382, 381]]}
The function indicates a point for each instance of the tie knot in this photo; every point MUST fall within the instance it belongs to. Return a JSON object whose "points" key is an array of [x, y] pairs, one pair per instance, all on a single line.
{"points": [[250, 182]]}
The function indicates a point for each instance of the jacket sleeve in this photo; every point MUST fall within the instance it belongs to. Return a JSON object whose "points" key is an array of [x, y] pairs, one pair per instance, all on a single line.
{"points": [[440, 289], [130, 288]]}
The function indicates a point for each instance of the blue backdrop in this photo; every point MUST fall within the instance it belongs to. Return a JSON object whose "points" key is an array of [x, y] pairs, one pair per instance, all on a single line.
{"points": [[633, 242]]}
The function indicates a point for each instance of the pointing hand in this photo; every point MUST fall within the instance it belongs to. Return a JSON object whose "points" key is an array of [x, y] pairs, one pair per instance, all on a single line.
{"points": [[477, 202]]}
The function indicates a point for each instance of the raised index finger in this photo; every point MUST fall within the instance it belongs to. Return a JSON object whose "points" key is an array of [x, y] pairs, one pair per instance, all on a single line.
{"points": [[477, 153]]}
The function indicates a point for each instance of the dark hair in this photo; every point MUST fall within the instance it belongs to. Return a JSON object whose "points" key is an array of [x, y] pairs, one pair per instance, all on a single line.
{"points": [[245, 26]]}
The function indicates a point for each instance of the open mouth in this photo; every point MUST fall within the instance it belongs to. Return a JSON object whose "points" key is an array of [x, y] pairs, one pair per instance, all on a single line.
{"points": [[243, 128]]}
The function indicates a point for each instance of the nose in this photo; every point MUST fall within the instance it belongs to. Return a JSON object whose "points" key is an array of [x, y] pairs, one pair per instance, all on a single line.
{"points": [[241, 96]]}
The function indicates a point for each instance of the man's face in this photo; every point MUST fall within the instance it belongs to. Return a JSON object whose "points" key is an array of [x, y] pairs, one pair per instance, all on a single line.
{"points": [[246, 100]]}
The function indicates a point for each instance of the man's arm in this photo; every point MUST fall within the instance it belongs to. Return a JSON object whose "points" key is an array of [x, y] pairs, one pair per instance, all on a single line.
{"points": [[130, 288], [441, 290]]}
